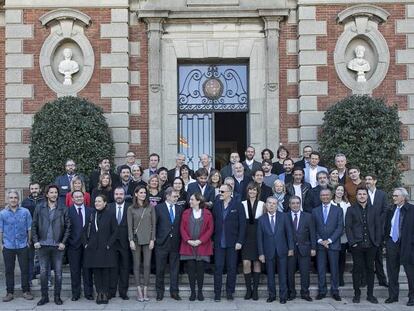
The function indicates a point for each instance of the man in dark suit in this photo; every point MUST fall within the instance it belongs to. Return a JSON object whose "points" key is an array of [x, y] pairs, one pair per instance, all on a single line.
{"points": [[399, 235], [340, 165], [126, 182], [227, 171], [104, 167], [379, 200], [120, 274], [201, 186], [167, 243], [287, 176], [275, 243], [250, 164], [314, 194], [300, 188], [63, 181], [265, 191], [229, 232], [329, 226], [364, 232], [241, 180], [304, 162], [79, 215], [205, 161], [305, 247]]}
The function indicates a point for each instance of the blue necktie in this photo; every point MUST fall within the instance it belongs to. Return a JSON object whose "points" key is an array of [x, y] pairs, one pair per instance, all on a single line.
{"points": [[272, 222], [172, 213], [325, 213], [395, 231]]}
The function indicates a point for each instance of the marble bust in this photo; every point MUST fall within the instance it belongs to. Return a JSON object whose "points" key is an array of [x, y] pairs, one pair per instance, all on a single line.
{"points": [[359, 64], [68, 67]]}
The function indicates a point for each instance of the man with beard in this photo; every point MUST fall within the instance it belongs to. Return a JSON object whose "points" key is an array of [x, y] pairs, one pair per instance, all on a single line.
{"points": [[250, 164], [228, 171], [300, 189], [269, 178], [286, 176], [265, 191], [104, 167]]}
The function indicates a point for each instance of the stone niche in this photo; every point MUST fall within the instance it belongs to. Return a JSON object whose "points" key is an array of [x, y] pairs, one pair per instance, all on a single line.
{"points": [[66, 75], [363, 73]]}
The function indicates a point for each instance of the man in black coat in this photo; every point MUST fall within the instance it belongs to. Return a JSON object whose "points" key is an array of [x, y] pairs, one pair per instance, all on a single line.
{"points": [[241, 180], [314, 194], [379, 200], [300, 188], [229, 232], [50, 232], [364, 232], [227, 171], [79, 216], [126, 182], [305, 246], [120, 274], [64, 181], [167, 243], [250, 164], [175, 172], [399, 236]]}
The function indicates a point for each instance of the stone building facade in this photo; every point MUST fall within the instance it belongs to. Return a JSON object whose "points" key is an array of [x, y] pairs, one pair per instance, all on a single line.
{"points": [[286, 60]]}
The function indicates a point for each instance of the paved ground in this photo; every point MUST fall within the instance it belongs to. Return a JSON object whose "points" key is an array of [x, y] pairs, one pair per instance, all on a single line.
{"points": [[238, 304]]}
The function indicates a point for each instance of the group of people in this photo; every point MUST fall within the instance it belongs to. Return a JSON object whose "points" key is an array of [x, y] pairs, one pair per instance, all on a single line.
{"points": [[279, 215]]}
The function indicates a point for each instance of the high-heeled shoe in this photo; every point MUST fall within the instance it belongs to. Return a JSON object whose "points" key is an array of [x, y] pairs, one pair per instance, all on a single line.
{"points": [[146, 293], [140, 298]]}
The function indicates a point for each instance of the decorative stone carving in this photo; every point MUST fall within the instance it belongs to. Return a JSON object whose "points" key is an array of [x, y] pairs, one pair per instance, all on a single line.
{"points": [[70, 75], [361, 38], [68, 67], [359, 64]]}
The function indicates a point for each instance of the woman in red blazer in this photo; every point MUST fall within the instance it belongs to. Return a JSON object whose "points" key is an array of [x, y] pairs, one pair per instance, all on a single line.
{"points": [[196, 246]]}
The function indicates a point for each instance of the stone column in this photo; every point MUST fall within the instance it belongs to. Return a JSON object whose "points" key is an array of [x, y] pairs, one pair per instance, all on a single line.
{"points": [[16, 92], [155, 31], [118, 90], [271, 111]]}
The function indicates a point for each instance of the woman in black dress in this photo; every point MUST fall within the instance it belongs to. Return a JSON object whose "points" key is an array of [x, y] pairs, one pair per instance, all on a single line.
{"points": [[178, 185], [253, 208], [100, 234]]}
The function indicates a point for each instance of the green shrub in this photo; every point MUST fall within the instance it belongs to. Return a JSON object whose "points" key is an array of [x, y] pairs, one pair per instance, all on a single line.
{"points": [[68, 128], [367, 131]]}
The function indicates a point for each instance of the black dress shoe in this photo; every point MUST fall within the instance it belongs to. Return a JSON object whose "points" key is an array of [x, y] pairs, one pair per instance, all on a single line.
{"points": [[160, 297], [320, 297], [200, 296], [307, 298], [89, 297], [175, 296], [124, 297], [372, 299], [271, 299], [229, 297], [217, 297], [105, 299], [43, 301], [410, 303], [58, 301], [192, 296], [391, 300], [282, 301], [336, 297], [356, 299], [383, 284], [290, 298], [75, 298]]}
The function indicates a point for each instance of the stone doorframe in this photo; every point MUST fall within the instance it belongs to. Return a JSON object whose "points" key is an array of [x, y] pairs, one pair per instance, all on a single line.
{"points": [[254, 37]]}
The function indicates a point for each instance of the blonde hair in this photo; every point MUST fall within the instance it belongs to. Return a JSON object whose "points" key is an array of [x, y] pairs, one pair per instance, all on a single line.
{"points": [[77, 178]]}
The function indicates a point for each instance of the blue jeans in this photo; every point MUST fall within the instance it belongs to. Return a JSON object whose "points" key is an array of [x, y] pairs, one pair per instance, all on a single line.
{"points": [[50, 256]]}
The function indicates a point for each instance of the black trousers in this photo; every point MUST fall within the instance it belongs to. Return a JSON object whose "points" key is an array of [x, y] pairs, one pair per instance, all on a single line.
{"points": [[75, 257], [163, 255], [9, 256], [225, 258], [342, 260], [102, 278], [303, 262], [195, 271], [393, 271], [120, 274], [363, 259]]}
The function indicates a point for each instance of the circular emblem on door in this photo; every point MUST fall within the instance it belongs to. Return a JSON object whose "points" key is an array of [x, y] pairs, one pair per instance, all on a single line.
{"points": [[213, 88]]}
